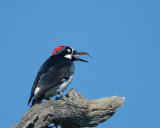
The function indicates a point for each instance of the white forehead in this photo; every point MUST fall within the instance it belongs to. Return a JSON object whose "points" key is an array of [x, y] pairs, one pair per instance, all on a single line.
{"points": [[72, 50]]}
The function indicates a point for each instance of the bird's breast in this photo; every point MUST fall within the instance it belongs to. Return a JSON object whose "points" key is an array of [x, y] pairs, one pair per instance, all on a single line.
{"points": [[58, 88]]}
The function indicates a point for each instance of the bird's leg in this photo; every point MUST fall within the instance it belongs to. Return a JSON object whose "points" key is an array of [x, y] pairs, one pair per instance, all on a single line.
{"points": [[57, 98], [66, 99]]}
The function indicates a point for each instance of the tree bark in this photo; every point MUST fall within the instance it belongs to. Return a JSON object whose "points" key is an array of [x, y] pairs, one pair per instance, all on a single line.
{"points": [[82, 113]]}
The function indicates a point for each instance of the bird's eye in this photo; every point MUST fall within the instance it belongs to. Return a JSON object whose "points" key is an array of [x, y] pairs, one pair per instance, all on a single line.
{"points": [[69, 50]]}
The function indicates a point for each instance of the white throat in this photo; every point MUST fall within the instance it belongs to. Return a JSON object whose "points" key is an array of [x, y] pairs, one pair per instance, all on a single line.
{"points": [[69, 56]]}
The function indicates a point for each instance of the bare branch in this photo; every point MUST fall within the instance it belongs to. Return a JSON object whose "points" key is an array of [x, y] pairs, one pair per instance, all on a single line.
{"points": [[85, 113]]}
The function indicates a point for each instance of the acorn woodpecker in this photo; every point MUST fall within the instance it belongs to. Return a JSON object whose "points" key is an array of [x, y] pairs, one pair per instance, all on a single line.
{"points": [[55, 74]]}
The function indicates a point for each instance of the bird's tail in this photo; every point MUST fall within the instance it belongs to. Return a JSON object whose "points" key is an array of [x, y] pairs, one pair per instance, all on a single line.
{"points": [[30, 98], [34, 102], [37, 101]]}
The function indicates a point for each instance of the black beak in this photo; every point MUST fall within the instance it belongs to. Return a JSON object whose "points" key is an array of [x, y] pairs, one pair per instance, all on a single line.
{"points": [[77, 54]]}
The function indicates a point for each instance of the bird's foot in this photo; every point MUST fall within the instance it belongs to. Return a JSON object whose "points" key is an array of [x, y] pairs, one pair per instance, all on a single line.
{"points": [[67, 99], [57, 98]]}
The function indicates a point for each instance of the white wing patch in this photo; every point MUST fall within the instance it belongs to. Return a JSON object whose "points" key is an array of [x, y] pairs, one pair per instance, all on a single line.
{"points": [[36, 90]]}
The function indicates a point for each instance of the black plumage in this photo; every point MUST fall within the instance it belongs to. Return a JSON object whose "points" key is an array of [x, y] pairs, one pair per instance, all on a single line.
{"points": [[55, 74]]}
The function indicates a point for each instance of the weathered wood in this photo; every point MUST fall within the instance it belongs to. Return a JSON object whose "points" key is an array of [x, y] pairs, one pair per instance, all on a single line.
{"points": [[85, 113]]}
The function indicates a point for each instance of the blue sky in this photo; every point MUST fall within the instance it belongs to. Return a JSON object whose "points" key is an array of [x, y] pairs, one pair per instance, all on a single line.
{"points": [[122, 36]]}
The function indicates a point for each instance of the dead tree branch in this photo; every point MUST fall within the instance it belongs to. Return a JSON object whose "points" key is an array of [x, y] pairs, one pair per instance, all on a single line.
{"points": [[85, 113]]}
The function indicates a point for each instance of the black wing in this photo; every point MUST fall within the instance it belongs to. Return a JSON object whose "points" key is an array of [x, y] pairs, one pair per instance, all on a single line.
{"points": [[44, 68], [50, 78], [34, 86]]}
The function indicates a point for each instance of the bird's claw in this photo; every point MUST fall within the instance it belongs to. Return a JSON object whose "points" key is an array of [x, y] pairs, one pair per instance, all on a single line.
{"points": [[67, 99]]}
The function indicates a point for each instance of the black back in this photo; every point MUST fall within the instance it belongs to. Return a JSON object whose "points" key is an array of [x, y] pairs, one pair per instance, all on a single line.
{"points": [[51, 73]]}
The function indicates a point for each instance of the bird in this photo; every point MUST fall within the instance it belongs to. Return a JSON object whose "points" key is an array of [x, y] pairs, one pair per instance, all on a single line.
{"points": [[55, 74]]}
